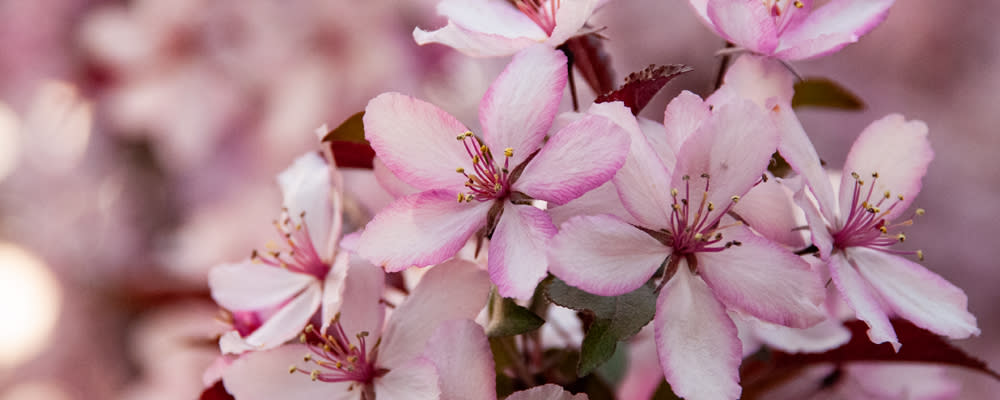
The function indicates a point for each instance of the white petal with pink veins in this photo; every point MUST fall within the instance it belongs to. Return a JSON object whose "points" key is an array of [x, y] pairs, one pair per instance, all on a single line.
{"points": [[249, 286], [471, 42], [414, 380], [831, 27], [682, 118], [362, 309], [604, 255], [898, 150], [575, 160], [699, 351], [456, 289], [762, 279], [461, 353], [516, 258], [916, 293], [756, 78], [745, 23], [570, 18], [861, 297], [333, 287], [421, 229], [518, 108], [306, 188], [491, 17], [263, 375], [546, 392], [416, 141], [290, 319], [768, 209]]}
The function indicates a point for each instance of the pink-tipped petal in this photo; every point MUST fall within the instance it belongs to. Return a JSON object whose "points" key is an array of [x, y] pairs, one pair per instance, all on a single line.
{"points": [[290, 319], [760, 278], [306, 188], [491, 17], [682, 118], [745, 23], [826, 335], [264, 375], [818, 230], [575, 160], [757, 78], [416, 141], [898, 150], [456, 289], [414, 380], [421, 229], [471, 42], [517, 259], [461, 353], [602, 200], [831, 27], [861, 297], [769, 210], [518, 108], [916, 293], [546, 392], [362, 309], [701, 9], [250, 286], [604, 255], [333, 287], [796, 148], [570, 18], [733, 147], [699, 351], [390, 182], [643, 375]]}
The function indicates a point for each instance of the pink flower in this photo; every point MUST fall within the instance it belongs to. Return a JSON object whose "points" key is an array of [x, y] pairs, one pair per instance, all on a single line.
{"points": [[792, 29], [488, 194], [274, 294], [712, 264], [856, 234], [355, 357], [491, 28]]}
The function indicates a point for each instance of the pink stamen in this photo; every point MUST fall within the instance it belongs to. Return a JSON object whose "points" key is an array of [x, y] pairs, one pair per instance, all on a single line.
{"points": [[487, 180], [866, 225], [542, 12], [336, 357], [301, 255]]}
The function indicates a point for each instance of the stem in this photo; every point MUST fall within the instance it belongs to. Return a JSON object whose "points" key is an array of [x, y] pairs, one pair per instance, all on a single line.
{"points": [[520, 369], [572, 80], [723, 66]]}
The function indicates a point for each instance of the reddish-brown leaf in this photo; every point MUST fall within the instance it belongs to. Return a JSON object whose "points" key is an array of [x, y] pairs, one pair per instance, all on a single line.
{"points": [[640, 87], [348, 144], [216, 392]]}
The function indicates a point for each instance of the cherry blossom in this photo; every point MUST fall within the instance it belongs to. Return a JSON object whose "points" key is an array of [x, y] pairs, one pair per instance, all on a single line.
{"points": [[711, 264], [490, 28], [857, 233], [486, 195], [274, 294], [359, 357], [792, 29]]}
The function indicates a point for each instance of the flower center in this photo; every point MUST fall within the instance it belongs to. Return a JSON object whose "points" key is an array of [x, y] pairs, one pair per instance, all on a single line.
{"points": [[783, 10], [487, 180], [301, 256], [866, 225], [335, 358], [695, 227], [543, 12]]}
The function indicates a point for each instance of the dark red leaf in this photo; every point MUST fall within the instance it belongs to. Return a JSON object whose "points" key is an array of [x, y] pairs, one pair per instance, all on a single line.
{"points": [[640, 87], [216, 392], [592, 61], [919, 345], [347, 141]]}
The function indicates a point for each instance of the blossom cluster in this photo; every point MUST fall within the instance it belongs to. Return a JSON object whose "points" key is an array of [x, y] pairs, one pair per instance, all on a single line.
{"points": [[686, 217]]}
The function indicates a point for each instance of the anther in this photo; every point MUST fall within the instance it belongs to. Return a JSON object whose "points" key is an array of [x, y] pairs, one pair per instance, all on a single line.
{"points": [[704, 175], [508, 152], [302, 338], [735, 199], [901, 237], [460, 170], [685, 177], [698, 236], [484, 149], [883, 229], [292, 369], [798, 4], [920, 211], [855, 175], [314, 375], [307, 357], [461, 197], [875, 175], [920, 255], [673, 192], [887, 194], [900, 197], [711, 207]]}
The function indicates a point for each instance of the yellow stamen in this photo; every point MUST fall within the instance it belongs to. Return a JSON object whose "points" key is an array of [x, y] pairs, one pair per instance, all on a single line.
{"points": [[509, 152]]}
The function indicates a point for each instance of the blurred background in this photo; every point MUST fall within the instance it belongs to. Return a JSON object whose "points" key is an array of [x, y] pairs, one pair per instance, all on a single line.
{"points": [[139, 141]]}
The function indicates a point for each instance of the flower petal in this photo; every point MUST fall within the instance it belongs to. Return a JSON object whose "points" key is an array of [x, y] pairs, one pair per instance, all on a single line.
{"points": [[333, 287], [491, 17], [733, 147], [414, 380], [826, 335], [683, 116], [575, 160], [898, 150], [421, 229], [472, 43], [456, 289], [831, 27], [760, 278], [548, 391], [796, 148], [461, 353], [860, 296], [769, 210], [263, 375], [516, 258], [362, 309], [570, 18], [756, 78], [250, 286], [604, 255], [416, 141], [306, 187], [916, 293], [286, 324], [746, 23], [820, 233], [518, 108], [699, 351], [602, 200]]}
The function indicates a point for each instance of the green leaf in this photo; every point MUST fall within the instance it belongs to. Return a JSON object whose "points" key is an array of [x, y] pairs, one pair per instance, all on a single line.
{"points": [[507, 318], [616, 318], [823, 92]]}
